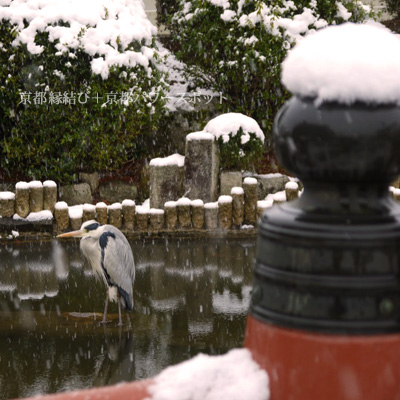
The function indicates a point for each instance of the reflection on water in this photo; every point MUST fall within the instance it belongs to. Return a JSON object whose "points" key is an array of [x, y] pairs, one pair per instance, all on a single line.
{"points": [[190, 296]]}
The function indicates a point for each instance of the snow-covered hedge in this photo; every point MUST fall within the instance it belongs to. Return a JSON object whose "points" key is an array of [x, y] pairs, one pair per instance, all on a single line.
{"points": [[79, 85], [240, 140], [237, 46]]}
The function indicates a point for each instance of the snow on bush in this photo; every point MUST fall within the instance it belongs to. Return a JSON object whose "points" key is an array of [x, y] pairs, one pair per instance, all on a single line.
{"points": [[80, 85], [240, 140], [250, 39], [346, 63]]}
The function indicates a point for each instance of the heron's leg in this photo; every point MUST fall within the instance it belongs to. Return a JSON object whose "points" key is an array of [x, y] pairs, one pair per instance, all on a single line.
{"points": [[104, 321], [119, 309]]}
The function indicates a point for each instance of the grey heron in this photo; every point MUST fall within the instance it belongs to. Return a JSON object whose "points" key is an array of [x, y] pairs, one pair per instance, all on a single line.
{"points": [[108, 252]]}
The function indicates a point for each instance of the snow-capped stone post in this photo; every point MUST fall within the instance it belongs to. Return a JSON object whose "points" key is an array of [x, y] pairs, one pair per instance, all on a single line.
{"points": [[292, 190], [128, 214], [75, 217], [35, 196], [115, 215], [225, 211], [237, 194], [211, 215], [201, 167], [250, 200], [49, 195], [183, 206], [102, 213], [142, 218], [326, 274], [166, 179], [22, 199], [61, 216], [7, 204], [171, 215], [88, 212], [198, 214], [156, 219]]}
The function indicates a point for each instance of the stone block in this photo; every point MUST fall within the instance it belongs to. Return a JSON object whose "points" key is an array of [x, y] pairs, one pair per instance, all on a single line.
{"points": [[35, 196], [115, 215], [211, 215], [262, 206], [201, 167], [7, 204], [229, 180], [292, 190], [61, 216], [171, 215], [184, 213], [92, 179], [198, 214], [237, 194], [128, 214], [250, 186], [88, 212], [101, 213], [142, 219], [22, 199], [270, 183], [76, 194], [225, 211], [49, 195], [117, 191], [156, 219], [76, 223], [166, 180]]}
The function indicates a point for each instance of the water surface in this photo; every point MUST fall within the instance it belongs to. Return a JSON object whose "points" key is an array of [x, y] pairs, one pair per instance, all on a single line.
{"points": [[190, 296]]}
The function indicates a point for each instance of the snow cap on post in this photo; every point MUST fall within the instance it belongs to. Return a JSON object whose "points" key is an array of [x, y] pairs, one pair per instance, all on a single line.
{"points": [[347, 63]]}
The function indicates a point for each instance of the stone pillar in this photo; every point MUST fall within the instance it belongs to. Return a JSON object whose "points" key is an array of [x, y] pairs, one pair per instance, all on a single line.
{"points": [[198, 214], [142, 219], [35, 196], [7, 204], [102, 213], [115, 215], [22, 199], [184, 214], [237, 194], [292, 190], [166, 179], [211, 215], [88, 212], [128, 214], [279, 197], [49, 195], [75, 216], [250, 200], [171, 215], [201, 167], [229, 180], [61, 216], [262, 206], [225, 211], [156, 219]]}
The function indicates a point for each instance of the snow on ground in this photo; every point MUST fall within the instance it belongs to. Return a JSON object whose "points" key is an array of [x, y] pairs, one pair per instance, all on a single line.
{"points": [[346, 63], [233, 376]]}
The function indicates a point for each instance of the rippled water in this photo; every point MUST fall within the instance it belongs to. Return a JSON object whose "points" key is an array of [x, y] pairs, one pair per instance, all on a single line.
{"points": [[190, 296]]}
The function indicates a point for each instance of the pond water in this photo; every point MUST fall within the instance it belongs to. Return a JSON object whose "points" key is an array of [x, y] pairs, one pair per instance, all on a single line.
{"points": [[190, 296]]}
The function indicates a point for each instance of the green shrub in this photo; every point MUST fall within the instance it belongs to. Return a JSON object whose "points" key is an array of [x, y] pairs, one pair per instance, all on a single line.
{"points": [[85, 103], [393, 7], [236, 47]]}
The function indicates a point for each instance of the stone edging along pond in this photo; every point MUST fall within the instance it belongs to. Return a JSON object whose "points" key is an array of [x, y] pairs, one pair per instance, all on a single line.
{"points": [[34, 212]]}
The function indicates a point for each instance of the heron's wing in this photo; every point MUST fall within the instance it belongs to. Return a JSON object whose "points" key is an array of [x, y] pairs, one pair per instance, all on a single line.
{"points": [[117, 262]]}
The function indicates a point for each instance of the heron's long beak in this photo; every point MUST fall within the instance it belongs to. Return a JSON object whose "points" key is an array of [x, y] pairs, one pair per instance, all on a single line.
{"points": [[78, 233]]}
